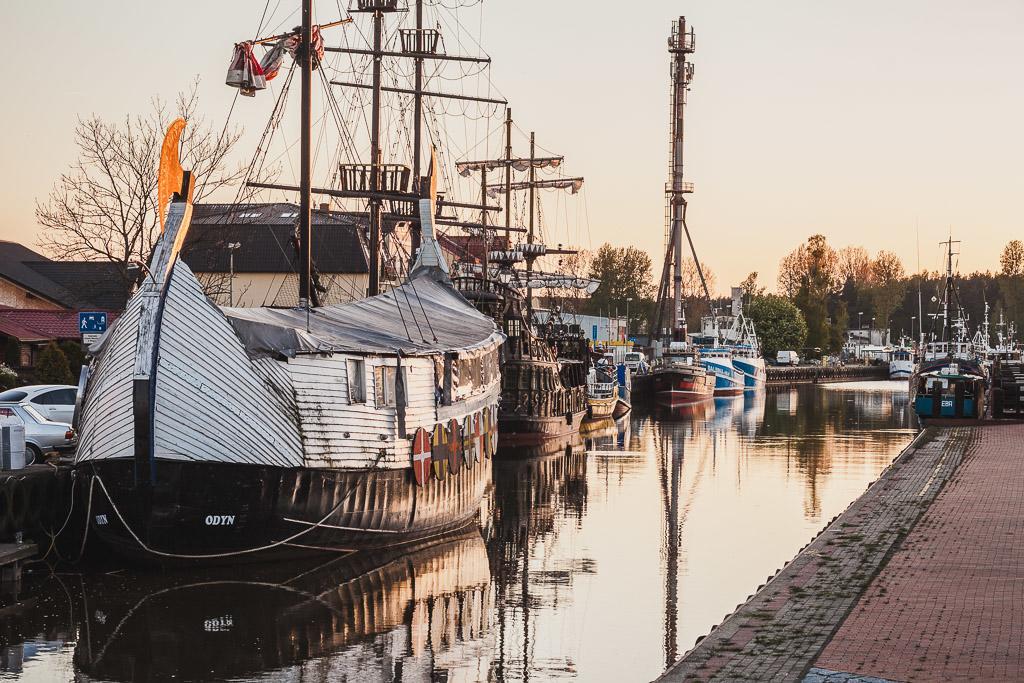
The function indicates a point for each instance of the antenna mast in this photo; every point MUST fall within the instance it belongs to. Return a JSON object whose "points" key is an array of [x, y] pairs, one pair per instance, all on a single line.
{"points": [[680, 45]]}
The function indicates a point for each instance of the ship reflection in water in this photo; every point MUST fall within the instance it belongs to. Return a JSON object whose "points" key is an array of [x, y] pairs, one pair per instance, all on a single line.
{"points": [[601, 558]]}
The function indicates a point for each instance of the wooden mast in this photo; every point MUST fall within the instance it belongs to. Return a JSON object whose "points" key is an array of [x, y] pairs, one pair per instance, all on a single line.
{"points": [[305, 195], [529, 235], [417, 115], [375, 158], [508, 175]]}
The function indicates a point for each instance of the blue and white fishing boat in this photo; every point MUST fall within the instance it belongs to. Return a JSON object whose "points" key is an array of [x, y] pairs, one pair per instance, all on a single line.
{"points": [[719, 360], [730, 348]]}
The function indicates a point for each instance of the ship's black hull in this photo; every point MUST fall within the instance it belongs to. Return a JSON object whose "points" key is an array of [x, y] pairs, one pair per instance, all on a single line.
{"points": [[212, 513]]}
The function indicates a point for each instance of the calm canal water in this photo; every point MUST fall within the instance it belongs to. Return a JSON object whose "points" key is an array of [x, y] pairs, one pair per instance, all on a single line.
{"points": [[600, 564]]}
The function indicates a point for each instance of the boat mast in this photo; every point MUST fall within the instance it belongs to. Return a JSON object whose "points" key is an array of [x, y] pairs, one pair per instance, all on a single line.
{"points": [[529, 235], [305, 157], [508, 175], [375, 156], [483, 222], [417, 116], [681, 44]]}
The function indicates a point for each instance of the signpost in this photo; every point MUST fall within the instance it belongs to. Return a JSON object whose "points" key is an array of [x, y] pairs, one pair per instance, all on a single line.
{"points": [[91, 325]]}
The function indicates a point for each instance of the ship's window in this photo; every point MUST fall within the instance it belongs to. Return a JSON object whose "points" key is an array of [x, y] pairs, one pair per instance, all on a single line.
{"points": [[386, 390], [356, 381]]}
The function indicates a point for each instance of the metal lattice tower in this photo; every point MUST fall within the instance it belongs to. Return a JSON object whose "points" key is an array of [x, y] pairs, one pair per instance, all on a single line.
{"points": [[680, 46]]}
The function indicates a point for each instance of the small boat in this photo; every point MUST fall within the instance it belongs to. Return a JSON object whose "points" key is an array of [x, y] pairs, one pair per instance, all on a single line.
{"points": [[602, 393], [902, 364], [679, 377], [951, 380], [949, 388]]}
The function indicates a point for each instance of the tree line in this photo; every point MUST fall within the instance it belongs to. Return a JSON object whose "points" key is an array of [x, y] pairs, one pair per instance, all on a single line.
{"points": [[822, 292]]}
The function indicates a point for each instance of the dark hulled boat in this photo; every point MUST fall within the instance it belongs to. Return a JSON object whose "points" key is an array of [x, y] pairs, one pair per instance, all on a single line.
{"points": [[542, 396], [679, 377]]}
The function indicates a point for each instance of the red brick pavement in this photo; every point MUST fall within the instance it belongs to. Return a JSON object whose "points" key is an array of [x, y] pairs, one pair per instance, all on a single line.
{"points": [[949, 605]]}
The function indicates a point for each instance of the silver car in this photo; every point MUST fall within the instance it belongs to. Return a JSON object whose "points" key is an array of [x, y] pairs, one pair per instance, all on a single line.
{"points": [[41, 435], [54, 402]]}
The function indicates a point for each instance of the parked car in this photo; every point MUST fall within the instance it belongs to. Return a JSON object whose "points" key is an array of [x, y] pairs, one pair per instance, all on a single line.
{"points": [[55, 402], [41, 435], [634, 359], [787, 358]]}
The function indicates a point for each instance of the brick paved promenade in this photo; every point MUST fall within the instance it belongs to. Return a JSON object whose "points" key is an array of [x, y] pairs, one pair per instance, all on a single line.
{"points": [[949, 604], [779, 634]]}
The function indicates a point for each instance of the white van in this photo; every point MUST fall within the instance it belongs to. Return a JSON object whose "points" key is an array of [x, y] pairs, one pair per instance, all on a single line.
{"points": [[787, 358]]}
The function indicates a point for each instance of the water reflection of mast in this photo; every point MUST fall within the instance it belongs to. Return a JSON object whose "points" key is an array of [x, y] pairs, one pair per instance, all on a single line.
{"points": [[668, 460]]}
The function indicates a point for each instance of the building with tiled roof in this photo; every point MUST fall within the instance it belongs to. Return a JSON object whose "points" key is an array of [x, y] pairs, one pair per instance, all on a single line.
{"points": [[264, 270]]}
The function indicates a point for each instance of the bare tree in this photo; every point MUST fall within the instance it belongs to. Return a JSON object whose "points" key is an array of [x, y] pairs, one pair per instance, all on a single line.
{"points": [[104, 206], [889, 285], [854, 264]]}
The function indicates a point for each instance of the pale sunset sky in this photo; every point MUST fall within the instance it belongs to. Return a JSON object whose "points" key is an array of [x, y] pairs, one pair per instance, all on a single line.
{"points": [[856, 120]]}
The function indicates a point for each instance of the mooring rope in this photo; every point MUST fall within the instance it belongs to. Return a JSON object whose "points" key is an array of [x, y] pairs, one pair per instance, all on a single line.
{"points": [[232, 553]]}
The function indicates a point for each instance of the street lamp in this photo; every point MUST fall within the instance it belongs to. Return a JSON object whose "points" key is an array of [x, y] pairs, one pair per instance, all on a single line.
{"points": [[232, 246], [912, 319], [628, 299], [860, 314]]}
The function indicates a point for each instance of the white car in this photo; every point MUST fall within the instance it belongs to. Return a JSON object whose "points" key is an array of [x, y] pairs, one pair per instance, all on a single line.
{"points": [[54, 402], [41, 435]]}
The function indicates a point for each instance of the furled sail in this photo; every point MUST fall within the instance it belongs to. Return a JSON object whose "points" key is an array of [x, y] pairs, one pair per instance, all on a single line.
{"points": [[573, 185], [467, 168]]}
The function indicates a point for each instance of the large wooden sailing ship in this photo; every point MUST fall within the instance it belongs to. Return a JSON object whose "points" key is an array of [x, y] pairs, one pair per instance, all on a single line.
{"points": [[220, 434], [544, 377]]}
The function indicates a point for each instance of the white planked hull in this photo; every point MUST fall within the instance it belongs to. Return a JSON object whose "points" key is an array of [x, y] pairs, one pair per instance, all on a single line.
{"points": [[221, 417]]}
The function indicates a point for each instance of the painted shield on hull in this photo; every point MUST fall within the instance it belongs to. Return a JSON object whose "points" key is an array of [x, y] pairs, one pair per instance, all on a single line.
{"points": [[439, 457], [455, 447], [468, 442], [478, 435], [488, 428], [421, 456]]}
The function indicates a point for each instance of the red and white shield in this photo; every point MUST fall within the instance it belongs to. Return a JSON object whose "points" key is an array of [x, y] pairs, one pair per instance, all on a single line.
{"points": [[478, 434], [421, 456], [455, 450], [469, 453]]}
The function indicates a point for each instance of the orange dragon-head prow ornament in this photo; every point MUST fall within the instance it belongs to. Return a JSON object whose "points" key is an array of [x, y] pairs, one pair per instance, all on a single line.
{"points": [[171, 177]]}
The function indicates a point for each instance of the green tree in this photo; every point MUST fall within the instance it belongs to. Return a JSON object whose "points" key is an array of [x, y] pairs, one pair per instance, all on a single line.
{"points": [[52, 366], [1012, 258], [624, 272], [780, 324]]}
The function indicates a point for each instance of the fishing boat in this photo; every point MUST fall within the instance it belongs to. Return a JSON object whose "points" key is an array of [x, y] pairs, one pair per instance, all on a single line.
{"points": [[215, 434], [732, 341], [949, 388], [901, 364], [678, 376], [951, 379]]}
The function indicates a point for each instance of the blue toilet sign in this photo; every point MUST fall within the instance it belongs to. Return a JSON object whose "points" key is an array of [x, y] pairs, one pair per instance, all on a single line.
{"points": [[92, 323]]}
